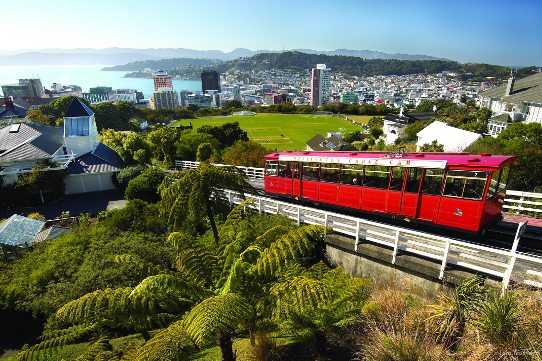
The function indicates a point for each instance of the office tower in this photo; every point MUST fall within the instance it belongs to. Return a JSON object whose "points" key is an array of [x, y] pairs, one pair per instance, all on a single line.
{"points": [[162, 81], [320, 84], [210, 80]]}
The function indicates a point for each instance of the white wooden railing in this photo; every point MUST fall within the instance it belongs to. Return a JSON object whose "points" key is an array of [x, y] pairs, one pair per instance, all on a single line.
{"points": [[251, 172], [502, 264], [515, 201], [522, 202]]}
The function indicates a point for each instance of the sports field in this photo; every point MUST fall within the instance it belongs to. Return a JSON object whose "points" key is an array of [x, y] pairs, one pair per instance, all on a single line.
{"points": [[280, 131]]}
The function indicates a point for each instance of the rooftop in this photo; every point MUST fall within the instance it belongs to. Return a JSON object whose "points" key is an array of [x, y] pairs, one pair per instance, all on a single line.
{"points": [[527, 90]]}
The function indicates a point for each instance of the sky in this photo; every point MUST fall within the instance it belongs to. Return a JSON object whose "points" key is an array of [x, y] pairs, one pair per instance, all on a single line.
{"points": [[496, 31]]}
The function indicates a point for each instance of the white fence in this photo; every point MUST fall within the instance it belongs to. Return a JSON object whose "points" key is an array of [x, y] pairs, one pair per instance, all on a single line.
{"points": [[251, 172], [506, 265], [522, 202]]}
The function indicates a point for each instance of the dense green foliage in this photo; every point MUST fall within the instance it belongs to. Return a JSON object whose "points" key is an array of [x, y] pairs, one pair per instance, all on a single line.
{"points": [[522, 140], [245, 153], [352, 65], [125, 175], [145, 185], [34, 188]]}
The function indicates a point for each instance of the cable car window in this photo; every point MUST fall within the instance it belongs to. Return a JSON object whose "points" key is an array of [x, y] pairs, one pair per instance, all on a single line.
{"points": [[296, 174], [465, 184], [494, 184], [285, 170], [271, 168], [352, 175], [432, 181], [376, 177], [310, 171], [397, 177], [330, 173], [413, 180], [503, 180]]}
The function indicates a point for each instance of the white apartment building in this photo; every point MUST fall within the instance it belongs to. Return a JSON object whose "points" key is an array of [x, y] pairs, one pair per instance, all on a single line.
{"points": [[320, 85]]}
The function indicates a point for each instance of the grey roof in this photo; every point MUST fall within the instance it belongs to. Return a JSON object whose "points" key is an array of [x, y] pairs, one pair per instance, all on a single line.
{"points": [[32, 141], [19, 231], [51, 139], [25, 152], [319, 143], [49, 233], [15, 112], [527, 90], [78, 109], [10, 140], [102, 159], [410, 117]]}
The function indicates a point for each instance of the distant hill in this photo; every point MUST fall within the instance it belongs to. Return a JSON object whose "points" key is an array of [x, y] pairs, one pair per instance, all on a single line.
{"points": [[87, 56], [164, 64], [301, 62]]}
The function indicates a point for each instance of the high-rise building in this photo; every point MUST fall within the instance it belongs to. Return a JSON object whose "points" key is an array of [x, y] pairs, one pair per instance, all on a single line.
{"points": [[26, 88], [165, 99], [320, 84], [162, 81], [210, 80]]}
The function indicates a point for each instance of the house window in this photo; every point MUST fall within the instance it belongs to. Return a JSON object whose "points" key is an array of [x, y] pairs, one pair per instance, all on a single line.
{"points": [[76, 126]]}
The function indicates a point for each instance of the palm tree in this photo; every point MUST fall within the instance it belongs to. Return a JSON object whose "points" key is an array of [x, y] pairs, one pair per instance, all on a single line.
{"points": [[196, 193]]}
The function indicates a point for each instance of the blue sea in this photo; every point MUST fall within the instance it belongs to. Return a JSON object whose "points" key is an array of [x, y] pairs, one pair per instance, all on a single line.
{"points": [[86, 76]]}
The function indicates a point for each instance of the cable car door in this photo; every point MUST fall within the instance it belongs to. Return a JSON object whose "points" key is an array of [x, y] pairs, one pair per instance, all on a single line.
{"points": [[296, 179], [411, 192]]}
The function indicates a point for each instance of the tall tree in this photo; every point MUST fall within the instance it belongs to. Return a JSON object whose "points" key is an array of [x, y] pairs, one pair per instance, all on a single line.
{"points": [[197, 193]]}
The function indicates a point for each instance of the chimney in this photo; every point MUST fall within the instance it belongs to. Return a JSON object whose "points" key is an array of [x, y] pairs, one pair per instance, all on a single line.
{"points": [[8, 103], [510, 85]]}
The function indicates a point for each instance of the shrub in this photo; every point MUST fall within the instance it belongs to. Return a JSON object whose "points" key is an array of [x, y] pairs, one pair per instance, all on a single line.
{"points": [[122, 178], [145, 186]]}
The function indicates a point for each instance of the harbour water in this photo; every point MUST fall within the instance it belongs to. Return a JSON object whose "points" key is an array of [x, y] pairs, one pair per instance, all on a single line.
{"points": [[86, 76]]}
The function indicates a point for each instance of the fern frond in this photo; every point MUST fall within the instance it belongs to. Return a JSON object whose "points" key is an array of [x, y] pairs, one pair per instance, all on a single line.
{"points": [[298, 296], [198, 264], [94, 349], [291, 247], [214, 315], [164, 293], [98, 306], [271, 235], [51, 345], [168, 344]]}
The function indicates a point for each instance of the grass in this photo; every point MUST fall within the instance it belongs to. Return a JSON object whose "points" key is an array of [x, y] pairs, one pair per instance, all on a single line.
{"points": [[280, 131]]}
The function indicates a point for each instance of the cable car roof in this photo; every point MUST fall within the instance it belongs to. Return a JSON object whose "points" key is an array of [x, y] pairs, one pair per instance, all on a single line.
{"points": [[417, 160]]}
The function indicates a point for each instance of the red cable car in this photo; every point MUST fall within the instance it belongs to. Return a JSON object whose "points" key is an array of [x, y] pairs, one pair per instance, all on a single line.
{"points": [[456, 190]]}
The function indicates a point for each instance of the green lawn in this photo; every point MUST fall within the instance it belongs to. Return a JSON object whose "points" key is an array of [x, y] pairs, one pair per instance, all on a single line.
{"points": [[281, 131]]}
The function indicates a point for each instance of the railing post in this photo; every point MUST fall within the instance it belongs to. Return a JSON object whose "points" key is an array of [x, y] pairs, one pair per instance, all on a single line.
{"points": [[278, 207], [444, 260], [325, 224], [520, 204], [357, 237], [396, 246], [508, 273], [259, 205], [298, 215]]}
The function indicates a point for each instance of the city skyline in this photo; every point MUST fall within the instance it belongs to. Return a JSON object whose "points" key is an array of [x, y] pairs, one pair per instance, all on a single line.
{"points": [[493, 32]]}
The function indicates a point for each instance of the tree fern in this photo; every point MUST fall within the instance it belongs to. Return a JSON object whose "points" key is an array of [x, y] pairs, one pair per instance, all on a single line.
{"points": [[271, 235], [215, 315], [299, 295], [168, 344], [197, 263], [164, 293], [98, 306], [100, 346], [48, 348], [292, 247]]}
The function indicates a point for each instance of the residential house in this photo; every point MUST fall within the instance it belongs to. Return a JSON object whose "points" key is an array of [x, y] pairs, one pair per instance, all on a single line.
{"points": [[74, 147], [331, 143], [453, 139], [520, 99], [395, 124]]}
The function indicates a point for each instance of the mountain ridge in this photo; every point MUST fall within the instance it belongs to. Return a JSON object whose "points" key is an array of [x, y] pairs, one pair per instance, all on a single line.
{"points": [[115, 55]]}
